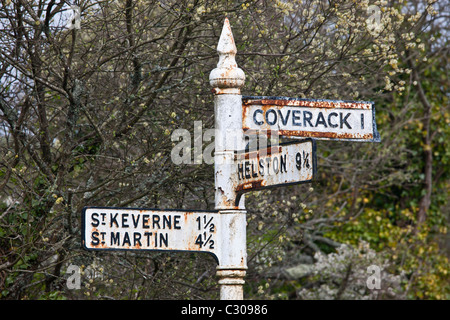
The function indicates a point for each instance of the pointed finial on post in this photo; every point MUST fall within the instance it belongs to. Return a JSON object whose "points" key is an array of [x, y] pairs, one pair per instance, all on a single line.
{"points": [[226, 80], [227, 77]]}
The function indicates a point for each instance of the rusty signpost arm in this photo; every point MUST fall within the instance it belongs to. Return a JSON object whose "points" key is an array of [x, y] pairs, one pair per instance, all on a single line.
{"points": [[226, 80]]}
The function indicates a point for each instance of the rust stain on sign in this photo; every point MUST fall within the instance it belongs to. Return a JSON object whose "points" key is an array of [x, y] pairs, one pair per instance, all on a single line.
{"points": [[326, 135], [320, 119], [253, 185], [312, 103]]}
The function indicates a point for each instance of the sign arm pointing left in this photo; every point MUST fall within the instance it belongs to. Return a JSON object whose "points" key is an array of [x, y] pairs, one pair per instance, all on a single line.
{"points": [[112, 228]]}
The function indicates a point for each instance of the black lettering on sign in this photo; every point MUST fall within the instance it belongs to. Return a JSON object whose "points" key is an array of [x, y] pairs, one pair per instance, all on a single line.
{"points": [[176, 222], [306, 160], [136, 221], [261, 167], [331, 124], [275, 165], [95, 240], [296, 119], [126, 240], [137, 239], [125, 220], [247, 170], [203, 240], [320, 120], [95, 222], [115, 238], [240, 171], [284, 120], [302, 118], [155, 220], [167, 222], [145, 218], [298, 160], [163, 239], [254, 172], [252, 169], [307, 116], [283, 163], [274, 118], [259, 123], [148, 235], [113, 219], [344, 120], [268, 160]]}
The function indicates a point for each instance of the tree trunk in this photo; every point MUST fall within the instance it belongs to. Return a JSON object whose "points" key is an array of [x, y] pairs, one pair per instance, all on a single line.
{"points": [[425, 201]]}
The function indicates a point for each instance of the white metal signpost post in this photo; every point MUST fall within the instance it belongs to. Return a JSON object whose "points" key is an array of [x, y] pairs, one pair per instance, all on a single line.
{"points": [[222, 232], [226, 80]]}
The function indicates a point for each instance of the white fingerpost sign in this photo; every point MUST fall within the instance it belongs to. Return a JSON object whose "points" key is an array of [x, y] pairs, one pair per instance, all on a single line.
{"points": [[315, 118], [110, 228], [281, 165]]}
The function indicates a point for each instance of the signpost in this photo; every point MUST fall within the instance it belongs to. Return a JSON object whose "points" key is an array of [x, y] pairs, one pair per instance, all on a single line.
{"points": [[320, 119], [222, 233]]}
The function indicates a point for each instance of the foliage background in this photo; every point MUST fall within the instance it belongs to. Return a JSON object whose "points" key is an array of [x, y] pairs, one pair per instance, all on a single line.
{"points": [[87, 115]]}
